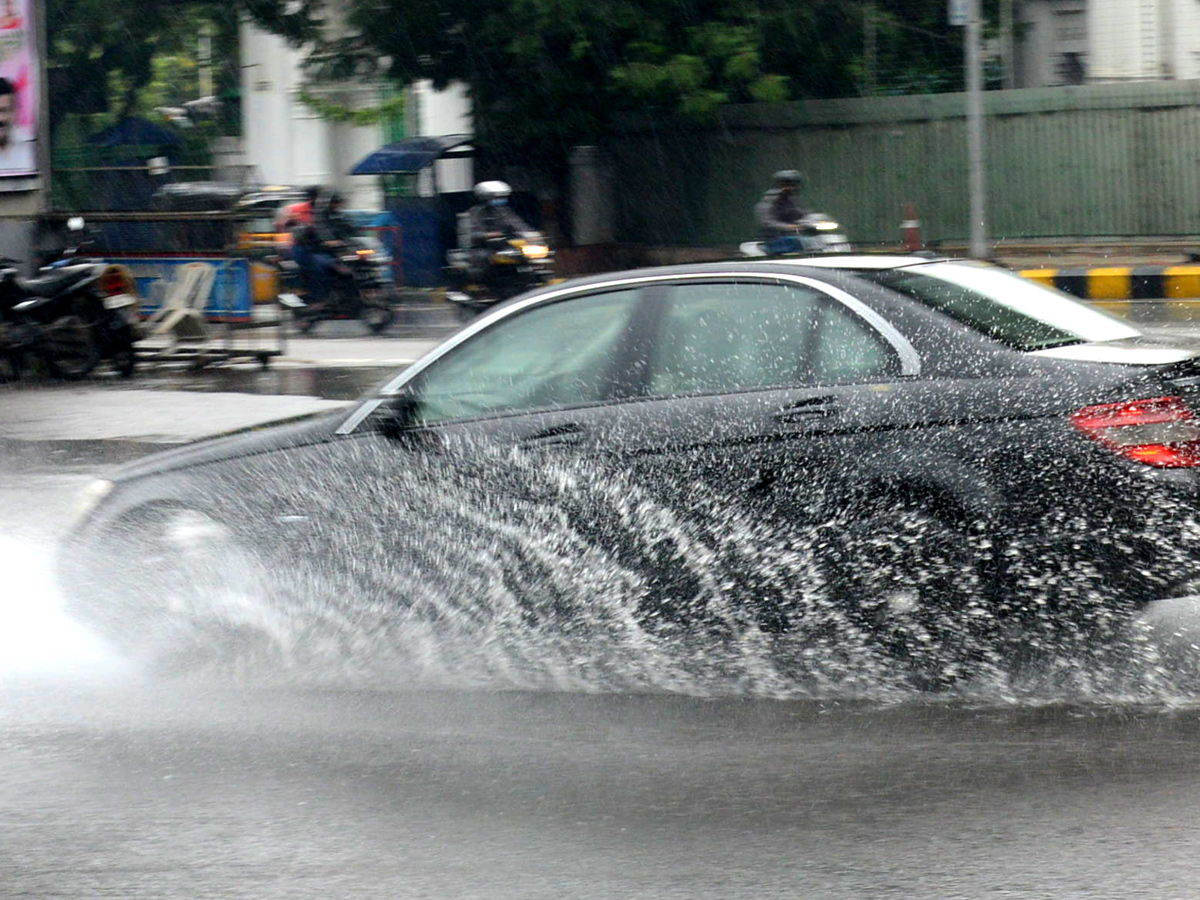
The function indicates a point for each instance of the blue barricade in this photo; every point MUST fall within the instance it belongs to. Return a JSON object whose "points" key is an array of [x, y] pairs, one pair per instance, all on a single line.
{"points": [[237, 284]]}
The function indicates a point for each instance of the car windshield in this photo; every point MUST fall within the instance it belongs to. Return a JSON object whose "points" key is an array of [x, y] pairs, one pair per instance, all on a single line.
{"points": [[1012, 310]]}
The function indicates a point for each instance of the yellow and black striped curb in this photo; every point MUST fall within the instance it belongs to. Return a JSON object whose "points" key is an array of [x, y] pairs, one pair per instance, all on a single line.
{"points": [[1116, 283]]}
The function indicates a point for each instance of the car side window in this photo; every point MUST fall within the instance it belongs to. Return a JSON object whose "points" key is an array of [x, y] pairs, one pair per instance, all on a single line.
{"points": [[848, 349], [722, 337], [558, 354], [717, 337]]}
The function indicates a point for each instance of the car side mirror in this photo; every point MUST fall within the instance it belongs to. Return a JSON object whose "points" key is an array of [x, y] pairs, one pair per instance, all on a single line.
{"points": [[398, 415]]}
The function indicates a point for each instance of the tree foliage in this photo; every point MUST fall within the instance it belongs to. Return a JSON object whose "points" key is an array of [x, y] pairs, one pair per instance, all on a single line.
{"points": [[102, 54], [544, 74]]}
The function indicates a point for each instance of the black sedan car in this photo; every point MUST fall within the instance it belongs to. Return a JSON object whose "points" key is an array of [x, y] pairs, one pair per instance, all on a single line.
{"points": [[929, 460]]}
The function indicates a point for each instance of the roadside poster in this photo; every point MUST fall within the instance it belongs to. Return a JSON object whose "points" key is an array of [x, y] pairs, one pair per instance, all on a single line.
{"points": [[18, 88]]}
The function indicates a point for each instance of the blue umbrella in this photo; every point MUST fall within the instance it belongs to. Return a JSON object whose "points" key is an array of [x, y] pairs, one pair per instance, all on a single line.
{"points": [[133, 130], [412, 154]]}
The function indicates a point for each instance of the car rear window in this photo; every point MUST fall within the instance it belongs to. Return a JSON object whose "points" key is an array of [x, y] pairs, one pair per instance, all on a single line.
{"points": [[1005, 307]]}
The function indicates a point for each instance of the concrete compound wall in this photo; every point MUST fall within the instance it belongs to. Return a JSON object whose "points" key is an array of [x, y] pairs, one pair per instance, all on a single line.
{"points": [[1121, 159]]}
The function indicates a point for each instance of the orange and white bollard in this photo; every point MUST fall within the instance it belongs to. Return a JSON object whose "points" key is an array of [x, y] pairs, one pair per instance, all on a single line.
{"points": [[910, 229]]}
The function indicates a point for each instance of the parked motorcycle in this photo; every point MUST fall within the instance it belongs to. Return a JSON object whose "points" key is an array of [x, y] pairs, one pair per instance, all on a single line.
{"points": [[359, 290], [67, 319], [817, 233], [114, 313], [514, 265]]}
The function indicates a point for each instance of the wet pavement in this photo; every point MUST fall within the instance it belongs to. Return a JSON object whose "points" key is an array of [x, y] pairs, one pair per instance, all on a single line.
{"points": [[170, 404], [201, 791], [241, 783]]}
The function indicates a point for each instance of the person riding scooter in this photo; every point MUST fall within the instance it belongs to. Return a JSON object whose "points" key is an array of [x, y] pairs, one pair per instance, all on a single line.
{"points": [[315, 246], [300, 213], [341, 274], [490, 221], [779, 213]]}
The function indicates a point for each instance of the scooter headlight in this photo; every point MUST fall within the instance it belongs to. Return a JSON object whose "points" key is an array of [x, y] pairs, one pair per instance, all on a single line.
{"points": [[535, 251], [827, 226]]}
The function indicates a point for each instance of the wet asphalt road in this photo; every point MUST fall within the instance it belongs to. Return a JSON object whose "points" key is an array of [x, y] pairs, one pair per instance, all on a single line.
{"points": [[211, 792], [116, 784]]}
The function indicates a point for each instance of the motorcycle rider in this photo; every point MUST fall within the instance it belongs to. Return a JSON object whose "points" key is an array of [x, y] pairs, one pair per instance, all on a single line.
{"points": [[300, 213], [490, 220], [779, 213], [315, 244]]}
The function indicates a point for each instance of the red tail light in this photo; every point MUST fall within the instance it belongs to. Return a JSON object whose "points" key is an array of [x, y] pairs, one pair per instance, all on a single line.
{"points": [[114, 282], [1161, 432]]}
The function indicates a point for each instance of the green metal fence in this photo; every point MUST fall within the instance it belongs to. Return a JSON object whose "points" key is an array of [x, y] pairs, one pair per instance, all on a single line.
{"points": [[1097, 160]]}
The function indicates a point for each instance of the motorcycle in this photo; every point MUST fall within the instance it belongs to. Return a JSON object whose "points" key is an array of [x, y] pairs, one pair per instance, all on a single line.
{"points": [[116, 317], [513, 265], [41, 333], [358, 291], [69, 318], [816, 233]]}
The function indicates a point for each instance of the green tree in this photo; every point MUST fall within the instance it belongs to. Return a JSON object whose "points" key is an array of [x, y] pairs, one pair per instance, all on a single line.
{"points": [[544, 74], [103, 54]]}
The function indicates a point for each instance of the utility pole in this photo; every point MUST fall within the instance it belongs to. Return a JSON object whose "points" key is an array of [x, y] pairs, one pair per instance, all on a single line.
{"points": [[1007, 44], [975, 137], [204, 56], [870, 51]]}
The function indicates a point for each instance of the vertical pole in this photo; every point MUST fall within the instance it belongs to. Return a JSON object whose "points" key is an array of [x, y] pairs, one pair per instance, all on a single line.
{"points": [[870, 48], [204, 54], [975, 180], [1007, 45]]}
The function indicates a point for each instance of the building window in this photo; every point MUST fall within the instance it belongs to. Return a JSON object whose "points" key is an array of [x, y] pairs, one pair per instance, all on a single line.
{"points": [[1070, 26]]}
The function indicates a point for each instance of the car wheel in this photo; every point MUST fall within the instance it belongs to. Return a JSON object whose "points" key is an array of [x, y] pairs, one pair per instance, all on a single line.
{"points": [[176, 589], [913, 584]]}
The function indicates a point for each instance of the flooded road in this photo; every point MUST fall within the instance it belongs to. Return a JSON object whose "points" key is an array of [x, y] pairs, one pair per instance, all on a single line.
{"points": [[211, 791], [232, 784], [258, 784]]}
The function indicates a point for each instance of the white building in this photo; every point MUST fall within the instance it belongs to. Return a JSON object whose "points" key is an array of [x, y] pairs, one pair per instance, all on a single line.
{"points": [[1051, 42], [288, 142], [433, 112], [1140, 40], [1064, 42]]}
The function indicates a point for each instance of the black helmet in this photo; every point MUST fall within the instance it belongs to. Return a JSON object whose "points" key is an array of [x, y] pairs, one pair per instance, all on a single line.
{"points": [[789, 177]]}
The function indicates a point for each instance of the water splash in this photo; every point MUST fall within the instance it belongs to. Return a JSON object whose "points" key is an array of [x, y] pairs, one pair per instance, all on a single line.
{"points": [[38, 641], [513, 570]]}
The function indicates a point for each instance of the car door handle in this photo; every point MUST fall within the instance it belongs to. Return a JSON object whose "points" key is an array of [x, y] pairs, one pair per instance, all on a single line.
{"points": [[812, 408], [566, 434]]}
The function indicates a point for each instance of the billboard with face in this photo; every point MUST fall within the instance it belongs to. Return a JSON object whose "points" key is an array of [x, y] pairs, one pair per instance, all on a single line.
{"points": [[19, 89]]}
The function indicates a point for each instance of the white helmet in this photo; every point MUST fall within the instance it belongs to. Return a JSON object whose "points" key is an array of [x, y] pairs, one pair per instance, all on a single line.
{"points": [[486, 191]]}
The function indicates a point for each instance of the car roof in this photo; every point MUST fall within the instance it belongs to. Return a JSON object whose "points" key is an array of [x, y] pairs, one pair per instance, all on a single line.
{"points": [[862, 261], [831, 269]]}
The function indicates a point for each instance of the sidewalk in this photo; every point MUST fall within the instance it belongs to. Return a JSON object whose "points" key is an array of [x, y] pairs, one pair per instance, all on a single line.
{"points": [[349, 352], [150, 410]]}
